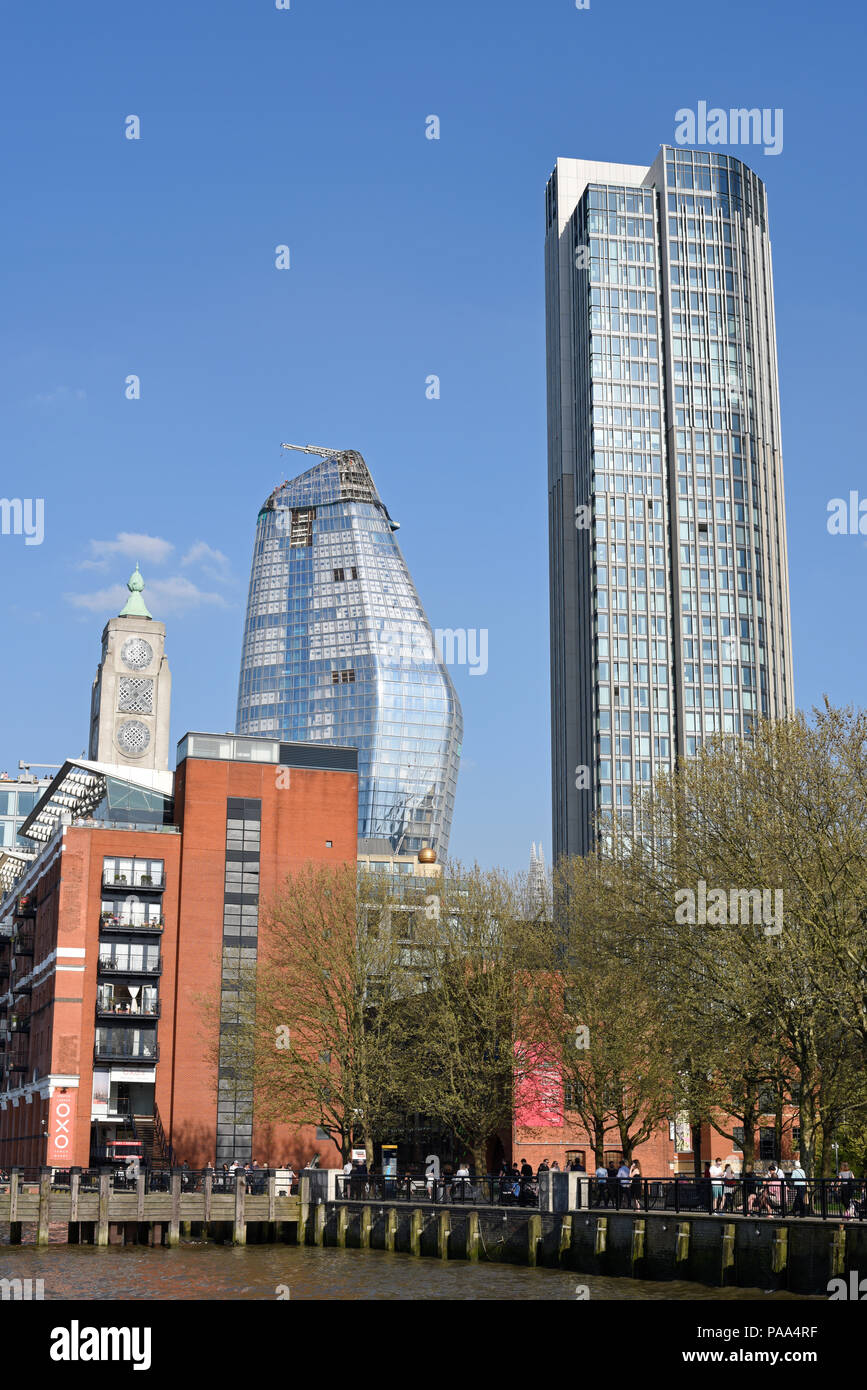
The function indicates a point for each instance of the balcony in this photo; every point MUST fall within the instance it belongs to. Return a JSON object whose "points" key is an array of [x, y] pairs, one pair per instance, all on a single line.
{"points": [[19, 1023], [126, 884], [111, 921], [113, 965], [26, 906], [116, 1052], [119, 1013], [22, 944]]}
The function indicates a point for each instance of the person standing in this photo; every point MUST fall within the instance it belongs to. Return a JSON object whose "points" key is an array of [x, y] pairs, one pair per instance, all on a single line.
{"points": [[635, 1184], [624, 1182], [847, 1189], [798, 1179], [715, 1174], [602, 1193]]}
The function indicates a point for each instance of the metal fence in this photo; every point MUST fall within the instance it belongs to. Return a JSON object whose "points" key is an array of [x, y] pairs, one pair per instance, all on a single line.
{"points": [[155, 1179], [748, 1195], [751, 1196], [470, 1191]]}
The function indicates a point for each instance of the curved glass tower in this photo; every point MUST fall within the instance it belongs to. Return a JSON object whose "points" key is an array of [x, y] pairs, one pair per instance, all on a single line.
{"points": [[337, 649]]}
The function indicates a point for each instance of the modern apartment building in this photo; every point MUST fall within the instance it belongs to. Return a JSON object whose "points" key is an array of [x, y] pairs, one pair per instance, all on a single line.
{"points": [[125, 933], [669, 584], [337, 649]]}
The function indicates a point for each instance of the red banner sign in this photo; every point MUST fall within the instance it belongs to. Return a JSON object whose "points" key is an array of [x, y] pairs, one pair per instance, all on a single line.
{"points": [[61, 1128]]}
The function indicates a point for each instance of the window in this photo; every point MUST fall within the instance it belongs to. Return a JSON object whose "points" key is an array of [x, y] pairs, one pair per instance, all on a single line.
{"points": [[342, 677], [328, 844], [738, 1139], [767, 1144], [573, 1094], [136, 873], [767, 1101], [339, 576], [301, 529]]}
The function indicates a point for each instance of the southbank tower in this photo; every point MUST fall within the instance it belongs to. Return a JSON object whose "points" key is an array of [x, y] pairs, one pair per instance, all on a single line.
{"points": [[338, 650], [669, 590]]}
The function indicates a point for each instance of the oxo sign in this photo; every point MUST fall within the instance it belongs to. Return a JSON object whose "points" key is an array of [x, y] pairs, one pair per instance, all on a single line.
{"points": [[61, 1128]]}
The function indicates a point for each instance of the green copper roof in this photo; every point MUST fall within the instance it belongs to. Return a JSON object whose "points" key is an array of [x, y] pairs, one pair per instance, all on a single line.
{"points": [[135, 605]]}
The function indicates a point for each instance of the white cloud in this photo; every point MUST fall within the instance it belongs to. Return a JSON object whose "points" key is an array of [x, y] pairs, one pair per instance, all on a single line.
{"points": [[104, 600], [170, 597], [136, 546], [212, 562]]}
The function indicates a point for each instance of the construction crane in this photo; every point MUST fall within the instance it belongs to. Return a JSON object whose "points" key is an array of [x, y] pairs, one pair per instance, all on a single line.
{"points": [[317, 449]]}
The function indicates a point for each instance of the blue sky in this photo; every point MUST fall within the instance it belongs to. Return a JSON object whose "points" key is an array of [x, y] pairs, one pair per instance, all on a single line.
{"points": [[409, 257]]}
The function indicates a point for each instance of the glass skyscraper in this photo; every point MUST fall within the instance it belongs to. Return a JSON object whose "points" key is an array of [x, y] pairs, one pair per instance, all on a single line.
{"points": [[337, 649], [668, 565]]}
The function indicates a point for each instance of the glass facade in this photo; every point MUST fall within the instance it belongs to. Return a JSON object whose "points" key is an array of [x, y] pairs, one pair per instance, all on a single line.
{"points": [[669, 579], [337, 649], [16, 803]]}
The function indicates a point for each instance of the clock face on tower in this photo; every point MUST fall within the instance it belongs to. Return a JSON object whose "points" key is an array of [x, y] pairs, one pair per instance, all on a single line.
{"points": [[136, 653]]}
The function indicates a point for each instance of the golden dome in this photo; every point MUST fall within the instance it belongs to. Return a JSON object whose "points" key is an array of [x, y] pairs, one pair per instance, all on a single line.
{"points": [[427, 855]]}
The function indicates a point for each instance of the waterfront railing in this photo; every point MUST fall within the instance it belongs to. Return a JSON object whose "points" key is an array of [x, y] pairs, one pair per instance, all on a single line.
{"points": [[750, 1196]]}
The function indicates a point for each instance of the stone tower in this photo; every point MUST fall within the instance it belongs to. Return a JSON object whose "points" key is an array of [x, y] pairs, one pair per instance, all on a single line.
{"points": [[131, 699]]}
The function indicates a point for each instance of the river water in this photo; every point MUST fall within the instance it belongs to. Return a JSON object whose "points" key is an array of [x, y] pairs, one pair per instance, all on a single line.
{"points": [[208, 1271]]}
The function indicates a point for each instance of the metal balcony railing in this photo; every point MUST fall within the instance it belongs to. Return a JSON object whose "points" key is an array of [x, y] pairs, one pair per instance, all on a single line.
{"points": [[111, 921], [127, 1015], [116, 1052], [113, 965], [128, 884]]}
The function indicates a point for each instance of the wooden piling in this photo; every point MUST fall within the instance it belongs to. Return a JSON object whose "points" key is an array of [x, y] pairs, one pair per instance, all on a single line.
{"points": [[174, 1233], [104, 1206], [74, 1192], [390, 1228], [416, 1222], [601, 1241], [365, 1228], [534, 1235], [444, 1230], [473, 1236], [239, 1231], [681, 1249], [342, 1223], [319, 1224], [44, 1206], [565, 1237]]}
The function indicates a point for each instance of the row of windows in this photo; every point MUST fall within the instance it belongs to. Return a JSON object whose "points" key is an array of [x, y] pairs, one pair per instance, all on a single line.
{"points": [[132, 871]]}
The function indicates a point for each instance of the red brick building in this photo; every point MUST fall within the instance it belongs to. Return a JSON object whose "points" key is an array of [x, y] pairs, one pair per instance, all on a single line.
{"points": [[120, 928], [138, 903]]}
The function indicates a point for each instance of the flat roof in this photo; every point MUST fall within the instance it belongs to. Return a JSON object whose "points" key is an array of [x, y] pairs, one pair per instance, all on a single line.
{"points": [[257, 748]]}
